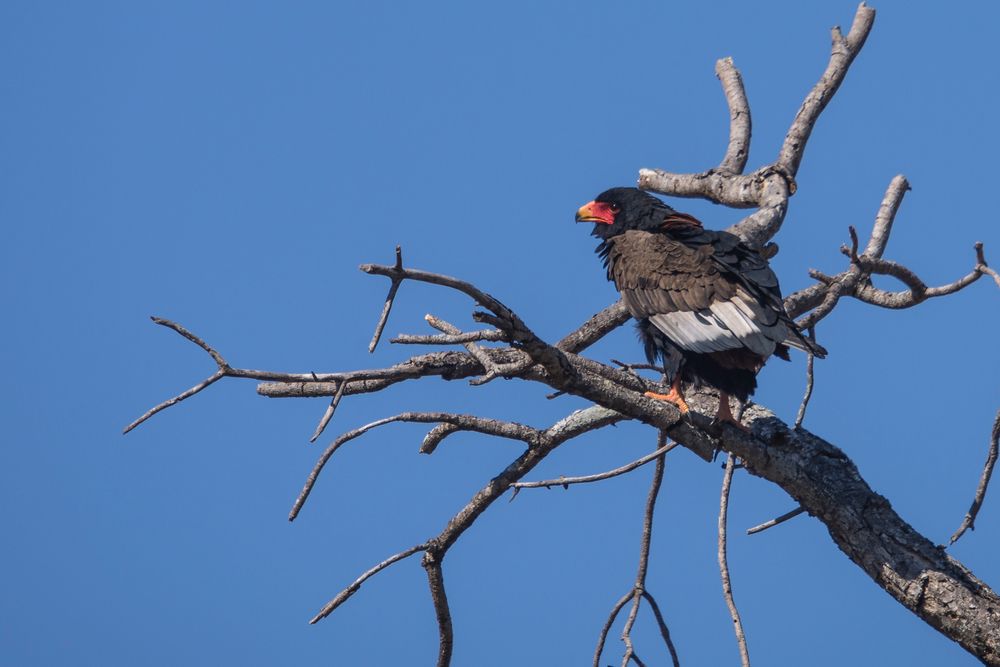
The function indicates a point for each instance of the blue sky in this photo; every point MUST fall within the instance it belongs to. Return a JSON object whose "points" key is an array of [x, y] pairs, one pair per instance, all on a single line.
{"points": [[229, 165]]}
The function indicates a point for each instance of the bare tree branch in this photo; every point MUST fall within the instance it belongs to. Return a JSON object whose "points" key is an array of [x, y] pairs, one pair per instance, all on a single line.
{"points": [[445, 339], [493, 370], [664, 631], [984, 481], [345, 594], [769, 188], [328, 415], [810, 380], [638, 592], [389, 299], [603, 637], [775, 521], [738, 149], [566, 482], [727, 588], [844, 50], [435, 580], [493, 427]]}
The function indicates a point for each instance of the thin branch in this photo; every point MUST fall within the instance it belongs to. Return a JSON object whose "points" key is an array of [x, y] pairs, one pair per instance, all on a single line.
{"points": [[855, 281], [664, 630], [345, 594], [513, 324], [603, 637], [727, 588], [638, 591], [627, 630], [647, 535], [810, 362], [984, 481], [328, 415], [389, 299], [566, 482], [776, 520], [211, 379], [435, 581], [494, 427], [493, 370], [223, 371], [635, 658]]}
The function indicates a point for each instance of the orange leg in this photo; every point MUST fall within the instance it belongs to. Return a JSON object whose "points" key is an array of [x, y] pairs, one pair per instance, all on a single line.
{"points": [[673, 397], [724, 415]]}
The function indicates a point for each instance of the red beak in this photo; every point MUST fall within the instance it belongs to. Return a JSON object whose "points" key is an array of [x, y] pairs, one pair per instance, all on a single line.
{"points": [[596, 212]]}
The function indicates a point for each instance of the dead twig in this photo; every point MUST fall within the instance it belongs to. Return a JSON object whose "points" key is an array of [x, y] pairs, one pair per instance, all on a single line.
{"points": [[810, 362], [328, 415], [566, 482], [494, 427], [968, 523], [397, 280], [345, 594], [602, 638], [775, 521], [638, 592], [727, 588]]}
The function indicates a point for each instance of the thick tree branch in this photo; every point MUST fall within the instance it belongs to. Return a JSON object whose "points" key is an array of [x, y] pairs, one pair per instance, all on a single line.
{"points": [[813, 472], [740, 125], [843, 52], [494, 427]]}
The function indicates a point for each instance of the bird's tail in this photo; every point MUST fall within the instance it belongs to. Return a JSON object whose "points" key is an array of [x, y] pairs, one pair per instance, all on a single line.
{"points": [[800, 341]]}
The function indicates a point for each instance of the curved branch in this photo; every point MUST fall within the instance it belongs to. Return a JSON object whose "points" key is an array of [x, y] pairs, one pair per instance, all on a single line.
{"points": [[566, 482], [984, 481], [727, 587], [495, 427], [844, 50], [345, 594], [603, 637], [435, 580], [740, 124], [769, 188]]}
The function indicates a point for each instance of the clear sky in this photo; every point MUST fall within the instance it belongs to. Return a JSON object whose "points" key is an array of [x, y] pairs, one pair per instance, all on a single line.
{"points": [[229, 164]]}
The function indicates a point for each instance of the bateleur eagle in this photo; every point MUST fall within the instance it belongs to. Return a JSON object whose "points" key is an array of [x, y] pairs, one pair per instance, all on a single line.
{"points": [[702, 299]]}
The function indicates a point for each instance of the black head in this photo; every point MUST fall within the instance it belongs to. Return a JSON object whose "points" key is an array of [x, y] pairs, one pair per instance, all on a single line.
{"points": [[617, 210]]}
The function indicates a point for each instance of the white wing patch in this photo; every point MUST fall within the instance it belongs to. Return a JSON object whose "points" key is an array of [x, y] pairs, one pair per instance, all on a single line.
{"points": [[725, 325]]}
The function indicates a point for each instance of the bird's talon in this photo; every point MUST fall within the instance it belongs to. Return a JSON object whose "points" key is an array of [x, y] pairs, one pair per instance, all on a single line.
{"points": [[674, 398]]}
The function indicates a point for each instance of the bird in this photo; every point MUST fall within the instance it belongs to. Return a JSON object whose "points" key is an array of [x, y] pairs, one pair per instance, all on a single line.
{"points": [[704, 301]]}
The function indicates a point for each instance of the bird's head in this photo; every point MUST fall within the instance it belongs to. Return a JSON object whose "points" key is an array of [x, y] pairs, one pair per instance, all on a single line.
{"points": [[618, 210]]}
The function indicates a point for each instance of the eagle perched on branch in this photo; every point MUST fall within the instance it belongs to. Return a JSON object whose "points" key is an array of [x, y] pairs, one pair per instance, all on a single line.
{"points": [[701, 298]]}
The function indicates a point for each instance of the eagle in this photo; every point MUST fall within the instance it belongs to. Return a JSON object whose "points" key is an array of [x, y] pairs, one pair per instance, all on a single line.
{"points": [[704, 302]]}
